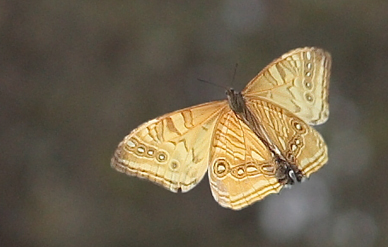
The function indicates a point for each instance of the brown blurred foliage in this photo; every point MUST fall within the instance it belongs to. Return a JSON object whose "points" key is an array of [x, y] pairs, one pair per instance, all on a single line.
{"points": [[77, 76]]}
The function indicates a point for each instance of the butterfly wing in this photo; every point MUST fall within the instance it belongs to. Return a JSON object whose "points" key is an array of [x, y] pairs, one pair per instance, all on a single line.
{"points": [[297, 81], [171, 150], [289, 94], [241, 167], [301, 144]]}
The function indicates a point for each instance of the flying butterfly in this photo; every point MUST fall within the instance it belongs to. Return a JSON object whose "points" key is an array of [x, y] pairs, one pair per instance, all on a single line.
{"points": [[252, 144]]}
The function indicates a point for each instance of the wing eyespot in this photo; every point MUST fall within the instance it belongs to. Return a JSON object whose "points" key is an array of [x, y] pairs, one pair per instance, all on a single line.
{"points": [[174, 165], [298, 127], [308, 84], [220, 168], [161, 156], [151, 152], [268, 169], [309, 97], [140, 150]]}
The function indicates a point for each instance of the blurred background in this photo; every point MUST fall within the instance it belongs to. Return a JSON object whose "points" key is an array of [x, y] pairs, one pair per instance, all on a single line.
{"points": [[77, 76]]}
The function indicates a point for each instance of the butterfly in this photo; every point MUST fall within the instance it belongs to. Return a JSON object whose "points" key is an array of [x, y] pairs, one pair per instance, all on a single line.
{"points": [[252, 144]]}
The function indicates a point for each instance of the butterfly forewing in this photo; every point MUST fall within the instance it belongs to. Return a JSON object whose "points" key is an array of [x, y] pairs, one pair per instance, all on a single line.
{"points": [[172, 150], [298, 81]]}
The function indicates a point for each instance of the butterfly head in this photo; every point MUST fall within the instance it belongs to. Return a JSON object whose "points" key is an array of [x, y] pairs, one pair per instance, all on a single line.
{"points": [[288, 173], [236, 100]]}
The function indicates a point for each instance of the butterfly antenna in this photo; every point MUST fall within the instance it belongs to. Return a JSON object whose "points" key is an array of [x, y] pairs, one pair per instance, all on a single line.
{"points": [[234, 73], [211, 83], [214, 84]]}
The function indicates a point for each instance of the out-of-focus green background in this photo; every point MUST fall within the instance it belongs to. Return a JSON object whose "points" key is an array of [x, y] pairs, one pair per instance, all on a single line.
{"points": [[77, 76]]}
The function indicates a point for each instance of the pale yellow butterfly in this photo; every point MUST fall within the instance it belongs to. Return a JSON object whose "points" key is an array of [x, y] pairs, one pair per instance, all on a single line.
{"points": [[252, 144]]}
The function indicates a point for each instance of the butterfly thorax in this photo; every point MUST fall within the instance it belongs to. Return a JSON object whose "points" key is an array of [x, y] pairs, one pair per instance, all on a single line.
{"points": [[287, 172], [236, 100]]}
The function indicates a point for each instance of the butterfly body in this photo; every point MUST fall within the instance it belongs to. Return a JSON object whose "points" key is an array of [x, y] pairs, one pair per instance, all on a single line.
{"points": [[286, 172], [252, 144]]}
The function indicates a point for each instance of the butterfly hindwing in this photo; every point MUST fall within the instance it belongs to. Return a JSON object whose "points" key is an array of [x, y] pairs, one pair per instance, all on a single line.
{"points": [[300, 144], [241, 167]]}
